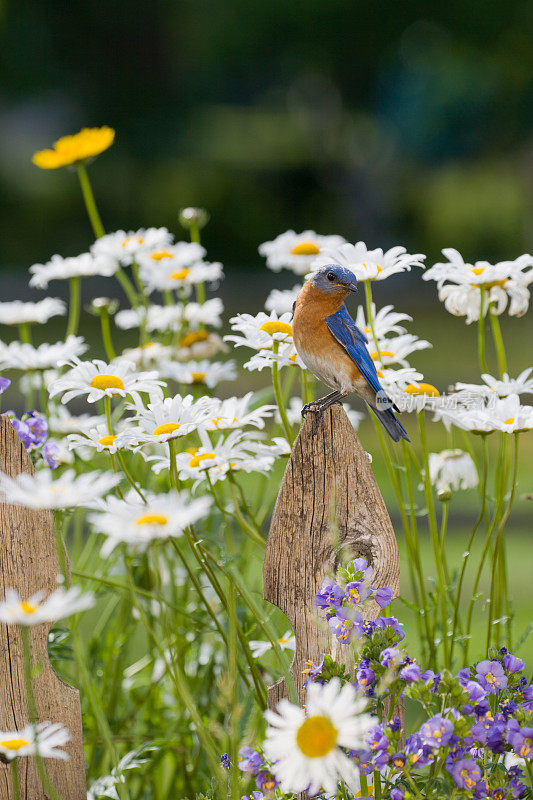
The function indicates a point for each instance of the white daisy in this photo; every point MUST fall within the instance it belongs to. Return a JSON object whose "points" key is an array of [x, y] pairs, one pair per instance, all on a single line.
{"points": [[478, 273], [261, 331], [62, 421], [168, 278], [503, 282], [451, 470], [20, 355], [285, 357], [385, 321], [124, 247], [208, 313], [296, 251], [235, 412], [170, 417], [99, 439], [503, 387], [43, 490], [199, 372], [97, 379], [155, 318], [501, 414], [18, 313], [199, 345], [59, 268], [259, 647], [305, 746], [279, 447], [233, 453], [45, 738], [150, 354], [395, 351], [408, 391], [374, 265], [61, 603], [282, 300], [138, 523]]}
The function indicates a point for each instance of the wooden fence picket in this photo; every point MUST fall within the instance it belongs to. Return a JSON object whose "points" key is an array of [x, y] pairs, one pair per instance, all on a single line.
{"points": [[28, 564], [329, 509]]}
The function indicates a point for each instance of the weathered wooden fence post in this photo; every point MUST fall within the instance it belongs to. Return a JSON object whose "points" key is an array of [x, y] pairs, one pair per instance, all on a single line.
{"points": [[329, 505], [28, 563]]}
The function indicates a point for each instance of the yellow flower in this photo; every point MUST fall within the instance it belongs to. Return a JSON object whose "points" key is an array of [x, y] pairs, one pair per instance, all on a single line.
{"points": [[89, 142]]}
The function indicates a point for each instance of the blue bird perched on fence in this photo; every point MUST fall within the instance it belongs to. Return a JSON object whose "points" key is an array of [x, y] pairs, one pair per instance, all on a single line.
{"points": [[331, 345]]}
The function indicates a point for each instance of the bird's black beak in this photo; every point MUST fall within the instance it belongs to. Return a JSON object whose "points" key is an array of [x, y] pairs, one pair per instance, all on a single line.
{"points": [[352, 287]]}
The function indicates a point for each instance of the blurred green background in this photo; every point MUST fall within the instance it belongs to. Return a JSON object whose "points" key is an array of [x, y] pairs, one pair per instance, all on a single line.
{"points": [[393, 122]]}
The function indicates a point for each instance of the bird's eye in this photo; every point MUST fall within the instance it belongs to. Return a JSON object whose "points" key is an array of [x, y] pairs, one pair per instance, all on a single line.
{"points": [[331, 276]]}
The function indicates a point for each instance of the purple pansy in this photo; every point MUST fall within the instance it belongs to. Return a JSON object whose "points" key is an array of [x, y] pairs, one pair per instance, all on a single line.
{"points": [[491, 676], [390, 622], [251, 760], [390, 657], [266, 781], [5, 383], [50, 453], [437, 731], [410, 673], [329, 595], [365, 675], [356, 592], [528, 698], [383, 596], [361, 565], [466, 773], [513, 663], [346, 624], [522, 742]]}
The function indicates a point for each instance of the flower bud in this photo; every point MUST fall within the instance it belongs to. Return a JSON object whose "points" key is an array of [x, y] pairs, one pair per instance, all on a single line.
{"points": [[100, 304], [193, 217]]}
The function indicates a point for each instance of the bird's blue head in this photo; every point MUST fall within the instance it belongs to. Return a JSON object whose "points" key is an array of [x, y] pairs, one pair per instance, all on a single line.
{"points": [[334, 279]]}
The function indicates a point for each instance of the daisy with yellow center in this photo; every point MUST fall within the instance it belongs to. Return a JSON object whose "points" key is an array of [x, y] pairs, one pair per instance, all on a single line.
{"points": [[170, 417], [76, 149], [45, 738], [296, 251], [176, 267], [99, 438], [97, 379], [207, 373], [305, 746], [124, 247], [138, 523], [259, 332], [259, 647], [369, 264], [36, 609]]}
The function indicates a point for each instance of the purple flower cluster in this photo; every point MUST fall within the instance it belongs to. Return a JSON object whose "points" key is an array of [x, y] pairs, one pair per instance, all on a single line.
{"points": [[32, 429], [344, 603], [5, 383], [251, 762]]}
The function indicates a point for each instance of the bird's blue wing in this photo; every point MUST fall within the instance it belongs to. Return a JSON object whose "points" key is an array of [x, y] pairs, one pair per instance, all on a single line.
{"points": [[354, 341]]}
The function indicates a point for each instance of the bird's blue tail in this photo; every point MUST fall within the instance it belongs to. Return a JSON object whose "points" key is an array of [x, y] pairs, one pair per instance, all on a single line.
{"points": [[392, 424]]}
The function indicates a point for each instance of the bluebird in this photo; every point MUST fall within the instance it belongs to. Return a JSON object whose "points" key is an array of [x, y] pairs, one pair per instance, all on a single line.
{"points": [[331, 345]]}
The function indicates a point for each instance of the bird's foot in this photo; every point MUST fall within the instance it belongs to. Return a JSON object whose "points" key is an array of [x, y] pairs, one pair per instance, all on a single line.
{"points": [[313, 407]]}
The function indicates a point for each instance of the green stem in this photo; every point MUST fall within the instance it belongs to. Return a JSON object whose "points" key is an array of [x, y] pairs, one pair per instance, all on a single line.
{"points": [[279, 399], [74, 307], [256, 535], [502, 476], [498, 539], [31, 705], [127, 473], [432, 520], [377, 784], [369, 316], [481, 331], [15, 779], [25, 332], [106, 334], [107, 406], [498, 341], [174, 478], [127, 285], [89, 200], [466, 555]]}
